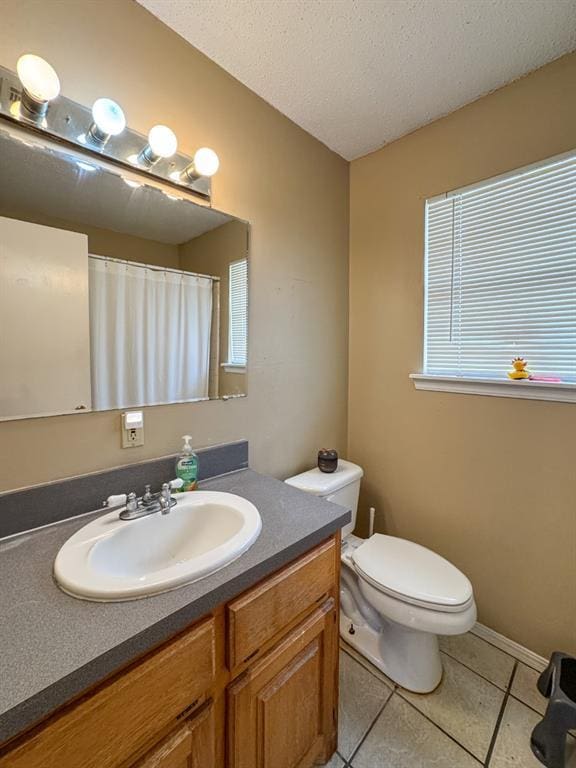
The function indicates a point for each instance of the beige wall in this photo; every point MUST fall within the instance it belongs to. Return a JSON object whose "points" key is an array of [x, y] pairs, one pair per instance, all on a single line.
{"points": [[291, 188], [105, 242], [490, 483]]}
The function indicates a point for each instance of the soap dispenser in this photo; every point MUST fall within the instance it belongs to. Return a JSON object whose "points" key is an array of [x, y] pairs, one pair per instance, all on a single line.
{"points": [[187, 466]]}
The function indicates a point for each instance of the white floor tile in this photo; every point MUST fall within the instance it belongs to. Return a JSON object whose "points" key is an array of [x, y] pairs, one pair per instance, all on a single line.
{"points": [[366, 664], [362, 696], [403, 738], [480, 656], [335, 762], [524, 688], [464, 705], [512, 748]]}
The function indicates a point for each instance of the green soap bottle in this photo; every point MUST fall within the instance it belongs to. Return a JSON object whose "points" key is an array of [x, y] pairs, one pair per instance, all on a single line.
{"points": [[187, 466]]}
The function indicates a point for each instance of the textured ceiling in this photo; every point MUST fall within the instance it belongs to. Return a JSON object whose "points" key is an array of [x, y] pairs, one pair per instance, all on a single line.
{"points": [[359, 73]]}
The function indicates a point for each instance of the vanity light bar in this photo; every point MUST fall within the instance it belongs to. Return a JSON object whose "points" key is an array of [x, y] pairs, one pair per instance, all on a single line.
{"points": [[34, 101]]}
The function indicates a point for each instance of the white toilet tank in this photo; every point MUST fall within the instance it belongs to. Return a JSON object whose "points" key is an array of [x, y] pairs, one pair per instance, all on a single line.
{"points": [[341, 487]]}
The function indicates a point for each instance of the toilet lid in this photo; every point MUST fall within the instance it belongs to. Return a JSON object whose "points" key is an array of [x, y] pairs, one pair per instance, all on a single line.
{"points": [[412, 573]]}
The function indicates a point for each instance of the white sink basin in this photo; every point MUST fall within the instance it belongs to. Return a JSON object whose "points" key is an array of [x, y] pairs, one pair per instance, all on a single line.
{"points": [[112, 559]]}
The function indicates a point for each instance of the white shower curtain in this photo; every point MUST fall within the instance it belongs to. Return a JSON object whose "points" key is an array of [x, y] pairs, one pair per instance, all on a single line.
{"points": [[149, 334]]}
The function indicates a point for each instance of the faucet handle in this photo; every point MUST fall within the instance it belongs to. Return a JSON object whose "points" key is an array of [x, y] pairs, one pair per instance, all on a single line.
{"points": [[166, 500], [115, 501], [132, 502]]}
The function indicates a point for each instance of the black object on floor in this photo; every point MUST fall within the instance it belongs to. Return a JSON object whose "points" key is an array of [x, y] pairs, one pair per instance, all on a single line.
{"points": [[558, 684]]}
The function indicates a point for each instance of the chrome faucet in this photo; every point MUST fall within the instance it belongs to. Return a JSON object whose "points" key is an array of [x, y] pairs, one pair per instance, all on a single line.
{"points": [[165, 500], [147, 504]]}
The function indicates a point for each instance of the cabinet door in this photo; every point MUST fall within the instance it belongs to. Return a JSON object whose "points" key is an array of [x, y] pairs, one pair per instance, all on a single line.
{"points": [[281, 711], [191, 745], [265, 612], [45, 336]]}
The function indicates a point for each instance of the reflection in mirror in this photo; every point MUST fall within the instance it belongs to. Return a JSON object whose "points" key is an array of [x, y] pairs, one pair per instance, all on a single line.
{"points": [[114, 293]]}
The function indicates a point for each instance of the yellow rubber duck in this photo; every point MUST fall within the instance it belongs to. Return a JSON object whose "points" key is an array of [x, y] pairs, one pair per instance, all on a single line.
{"points": [[519, 372]]}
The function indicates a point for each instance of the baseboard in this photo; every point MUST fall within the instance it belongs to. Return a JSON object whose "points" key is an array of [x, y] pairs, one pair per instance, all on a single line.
{"points": [[509, 646]]}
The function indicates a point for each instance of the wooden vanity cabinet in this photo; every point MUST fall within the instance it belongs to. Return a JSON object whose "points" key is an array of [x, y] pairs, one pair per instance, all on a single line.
{"points": [[123, 716], [282, 710], [253, 685], [191, 745], [265, 612]]}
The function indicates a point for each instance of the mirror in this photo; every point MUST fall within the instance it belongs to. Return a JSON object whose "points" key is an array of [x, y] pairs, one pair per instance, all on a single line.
{"points": [[115, 291]]}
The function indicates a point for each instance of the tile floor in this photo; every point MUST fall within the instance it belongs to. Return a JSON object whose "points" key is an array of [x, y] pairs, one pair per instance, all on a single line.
{"points": [[482, 713]]}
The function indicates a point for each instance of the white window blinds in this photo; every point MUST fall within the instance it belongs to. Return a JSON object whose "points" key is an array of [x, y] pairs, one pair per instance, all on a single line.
{"points": [[238, 312], [501, 275]]}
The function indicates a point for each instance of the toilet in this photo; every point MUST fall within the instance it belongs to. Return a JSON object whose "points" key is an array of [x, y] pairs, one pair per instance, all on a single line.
{"points": [[396, 596]]}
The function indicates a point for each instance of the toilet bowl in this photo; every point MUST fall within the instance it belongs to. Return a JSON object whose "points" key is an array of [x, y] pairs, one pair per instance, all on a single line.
{"points": [[396, 596]]}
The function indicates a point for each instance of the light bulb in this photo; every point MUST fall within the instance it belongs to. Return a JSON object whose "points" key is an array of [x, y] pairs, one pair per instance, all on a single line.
{"points": [[40, 81], [206, 161], [108, 120], [162, 142]]}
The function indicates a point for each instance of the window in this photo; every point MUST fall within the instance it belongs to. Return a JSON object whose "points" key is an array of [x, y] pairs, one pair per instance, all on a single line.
{"points": [[501, 278], [238, 313]]}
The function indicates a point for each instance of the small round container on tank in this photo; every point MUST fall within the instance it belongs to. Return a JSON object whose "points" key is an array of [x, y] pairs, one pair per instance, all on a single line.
{"points": [[327, 460]]}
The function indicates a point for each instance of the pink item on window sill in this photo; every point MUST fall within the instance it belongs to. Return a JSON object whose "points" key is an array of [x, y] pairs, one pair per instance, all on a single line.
{"points": [[546, 379]]}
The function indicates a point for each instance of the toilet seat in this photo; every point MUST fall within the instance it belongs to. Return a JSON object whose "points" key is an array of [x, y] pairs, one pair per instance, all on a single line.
{"points": [[412, 574]]}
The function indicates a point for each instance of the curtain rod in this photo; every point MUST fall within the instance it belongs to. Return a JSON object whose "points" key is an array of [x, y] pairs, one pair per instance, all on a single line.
{"points": [[153, 267]]}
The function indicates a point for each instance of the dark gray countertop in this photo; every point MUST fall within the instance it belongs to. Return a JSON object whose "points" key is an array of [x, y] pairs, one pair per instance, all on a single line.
{"points": [[52, 646]]}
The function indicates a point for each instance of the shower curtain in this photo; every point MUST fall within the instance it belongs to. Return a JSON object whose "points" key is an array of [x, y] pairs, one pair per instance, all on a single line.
{"points": [[149, 334]]}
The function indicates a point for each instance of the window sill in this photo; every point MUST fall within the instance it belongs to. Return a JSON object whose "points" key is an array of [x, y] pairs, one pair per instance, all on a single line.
{"points": [[233, 367], [531, 390]]}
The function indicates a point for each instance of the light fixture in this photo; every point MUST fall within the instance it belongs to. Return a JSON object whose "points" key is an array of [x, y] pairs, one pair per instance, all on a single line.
{"points": [[108, 120], [162, 143], [101, 130], [40, 81], [205, 163]]}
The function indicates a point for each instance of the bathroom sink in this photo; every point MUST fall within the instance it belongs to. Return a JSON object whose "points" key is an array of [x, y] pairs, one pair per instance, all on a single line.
{"points": [[111, 559]]}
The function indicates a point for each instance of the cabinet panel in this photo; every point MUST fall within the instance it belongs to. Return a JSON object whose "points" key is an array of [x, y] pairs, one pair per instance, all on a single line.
{"points": [[191, 745], [264, 611], [282, 710], [107, 727], [203, 728], [44, 321]]}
